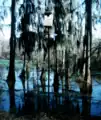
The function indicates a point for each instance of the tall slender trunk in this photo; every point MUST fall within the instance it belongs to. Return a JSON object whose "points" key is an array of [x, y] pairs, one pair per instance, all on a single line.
{"points": [[23, 74], [11, 74], [48, 68], [37, 69], [66, 70], [87, 87], [88, 43], [42, 79], [27, 74], [56, 80], [61, 77]]}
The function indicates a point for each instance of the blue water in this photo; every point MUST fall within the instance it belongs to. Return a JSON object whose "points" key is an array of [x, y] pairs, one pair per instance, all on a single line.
{"points": [[4, 95]]}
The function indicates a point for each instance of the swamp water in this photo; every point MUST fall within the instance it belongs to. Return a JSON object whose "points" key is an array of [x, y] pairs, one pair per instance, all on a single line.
{"points": [[94, 103]]}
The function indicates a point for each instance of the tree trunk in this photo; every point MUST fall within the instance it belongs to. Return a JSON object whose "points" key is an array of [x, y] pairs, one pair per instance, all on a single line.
{"points": [[22, 75], [88, 41], [27, 73], [56, 79], [61, 71], [43, 76], [37, 69], [48, 68], [11, 74], [42, 79], [66, 70]]}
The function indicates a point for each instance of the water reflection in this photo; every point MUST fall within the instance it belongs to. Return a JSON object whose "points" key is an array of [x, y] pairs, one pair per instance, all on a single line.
{"points": [[4, 101], [88, 106]]}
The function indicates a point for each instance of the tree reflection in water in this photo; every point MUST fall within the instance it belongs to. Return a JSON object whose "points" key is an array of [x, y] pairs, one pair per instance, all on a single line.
{"points": [[86, 107]]}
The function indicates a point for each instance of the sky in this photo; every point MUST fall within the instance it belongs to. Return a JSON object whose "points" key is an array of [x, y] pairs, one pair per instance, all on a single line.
{"points": [[5, 35], [7, 21]]}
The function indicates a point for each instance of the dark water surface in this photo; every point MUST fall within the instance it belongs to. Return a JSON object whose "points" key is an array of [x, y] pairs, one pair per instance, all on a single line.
{"points": [[94, 101]]}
